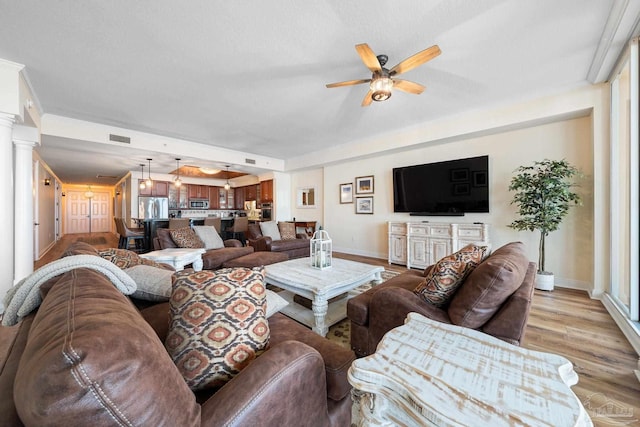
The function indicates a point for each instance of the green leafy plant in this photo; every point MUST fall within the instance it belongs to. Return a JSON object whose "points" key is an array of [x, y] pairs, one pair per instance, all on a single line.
{"points": [[543, 196]]}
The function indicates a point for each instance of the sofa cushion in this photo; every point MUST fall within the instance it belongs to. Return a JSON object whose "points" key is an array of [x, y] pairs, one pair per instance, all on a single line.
{"points": [[214, 258], [153, 284], [489, 285], [89, 351], [209, 236], [218, 324], [270, 228], [287, 230], [446, 276], [185, 237]]}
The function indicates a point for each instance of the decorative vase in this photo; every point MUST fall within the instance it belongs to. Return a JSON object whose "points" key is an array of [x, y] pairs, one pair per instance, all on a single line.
{"points": [[544, 281]]}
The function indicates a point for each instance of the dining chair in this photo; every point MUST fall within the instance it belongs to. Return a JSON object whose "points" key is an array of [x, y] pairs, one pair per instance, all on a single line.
{"points": [[239, 228], [179, 222], [126, 234], [214, 221]]}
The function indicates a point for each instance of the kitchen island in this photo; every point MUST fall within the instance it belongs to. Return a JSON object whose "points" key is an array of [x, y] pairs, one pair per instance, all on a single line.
{"points": [[150, 226]]}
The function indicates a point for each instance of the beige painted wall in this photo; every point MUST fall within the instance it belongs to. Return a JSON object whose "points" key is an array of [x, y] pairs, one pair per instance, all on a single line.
{"points": [[570, 251]]}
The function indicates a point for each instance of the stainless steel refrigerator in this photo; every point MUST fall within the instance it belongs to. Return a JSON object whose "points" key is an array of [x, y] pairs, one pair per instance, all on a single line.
{"points": [[153, 207]]}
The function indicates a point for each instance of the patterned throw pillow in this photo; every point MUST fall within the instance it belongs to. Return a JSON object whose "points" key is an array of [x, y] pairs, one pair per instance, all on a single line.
{"points": [[287, 230], [124, 258], [186, 238], [448, 274], [218, 323]]}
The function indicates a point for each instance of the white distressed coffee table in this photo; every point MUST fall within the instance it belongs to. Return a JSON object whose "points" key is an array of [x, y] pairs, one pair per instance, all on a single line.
{"points": [[297, 277], [177, 257], [427, 373]]}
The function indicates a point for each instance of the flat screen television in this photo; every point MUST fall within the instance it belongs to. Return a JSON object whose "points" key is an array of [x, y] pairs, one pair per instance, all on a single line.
{"points": [[450, 188]]}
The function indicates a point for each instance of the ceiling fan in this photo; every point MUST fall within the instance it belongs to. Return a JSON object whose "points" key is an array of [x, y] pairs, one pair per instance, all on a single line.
{"points": [[382, 80]]}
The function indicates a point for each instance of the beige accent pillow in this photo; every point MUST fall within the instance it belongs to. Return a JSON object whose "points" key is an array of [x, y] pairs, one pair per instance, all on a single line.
{"points": [[186, 238], [209, 236], [270, 228], [154, 284], [446, 276], [287, 230]]}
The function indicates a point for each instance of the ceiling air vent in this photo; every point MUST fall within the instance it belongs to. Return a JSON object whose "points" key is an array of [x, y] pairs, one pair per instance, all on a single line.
{"points": [[119, 138], [250, 161]]}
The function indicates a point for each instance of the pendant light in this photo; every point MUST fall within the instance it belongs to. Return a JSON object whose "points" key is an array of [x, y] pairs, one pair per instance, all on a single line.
{"points": [[142, 184], [177, 182], [88, 194], [149, 182], [227, 185]]}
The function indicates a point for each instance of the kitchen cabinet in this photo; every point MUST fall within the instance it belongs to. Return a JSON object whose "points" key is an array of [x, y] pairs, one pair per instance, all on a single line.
{"points": [[420, 244], [198, 191], [178, 197], [251, 192], [239, 197], [157, 189], [266, 191], [214, 197]]}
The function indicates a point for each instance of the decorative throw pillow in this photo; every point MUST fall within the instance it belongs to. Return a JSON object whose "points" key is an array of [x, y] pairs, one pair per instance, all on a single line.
{"points": [[287, 230], [124, 258], [275, 303], [186, 238], [270, 228], [209, 236], [218, 323], [448, 274], [154, 284]]}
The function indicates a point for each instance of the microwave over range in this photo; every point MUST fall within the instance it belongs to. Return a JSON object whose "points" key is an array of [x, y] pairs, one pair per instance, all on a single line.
{"points": [[199, 204]]}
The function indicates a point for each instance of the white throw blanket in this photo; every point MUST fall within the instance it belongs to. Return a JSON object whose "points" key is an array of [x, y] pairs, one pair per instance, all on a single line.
{"points": [[24, 297]]}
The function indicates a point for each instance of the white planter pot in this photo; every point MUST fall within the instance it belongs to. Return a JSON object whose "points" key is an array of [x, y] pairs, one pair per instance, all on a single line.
{"points": [[544, 281]]}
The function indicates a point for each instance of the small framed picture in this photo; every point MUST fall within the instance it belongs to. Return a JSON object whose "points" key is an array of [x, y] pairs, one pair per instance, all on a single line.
{"points": [[346, 193], [458, 175], [480, 178], [364, 205], [364, 185]]}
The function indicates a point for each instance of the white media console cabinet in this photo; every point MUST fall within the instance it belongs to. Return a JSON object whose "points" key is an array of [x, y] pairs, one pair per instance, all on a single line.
{"points": [[420, 244]]}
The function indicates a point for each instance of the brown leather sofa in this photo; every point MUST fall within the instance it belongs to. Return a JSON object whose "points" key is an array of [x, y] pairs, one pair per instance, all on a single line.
{"points": [[212, 259], [89, 357], [294, 248], [495, 299]]}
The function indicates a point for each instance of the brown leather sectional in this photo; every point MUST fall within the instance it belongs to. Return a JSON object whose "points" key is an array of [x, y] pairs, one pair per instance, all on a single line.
{"points": [[294, 248], [89, 356], [495, 299]]}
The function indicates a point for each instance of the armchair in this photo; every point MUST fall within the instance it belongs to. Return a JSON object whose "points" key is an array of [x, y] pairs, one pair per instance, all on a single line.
{"points": [[495, 298]]}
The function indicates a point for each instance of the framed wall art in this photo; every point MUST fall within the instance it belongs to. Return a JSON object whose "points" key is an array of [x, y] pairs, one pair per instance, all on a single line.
{"points": [[364, 205], [364, 185], [346, 193]]}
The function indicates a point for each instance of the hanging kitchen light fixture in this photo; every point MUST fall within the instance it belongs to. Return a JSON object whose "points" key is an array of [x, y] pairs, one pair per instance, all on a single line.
{"points": [[149, 182], [227, 185], [142, 184], [177, 182]]}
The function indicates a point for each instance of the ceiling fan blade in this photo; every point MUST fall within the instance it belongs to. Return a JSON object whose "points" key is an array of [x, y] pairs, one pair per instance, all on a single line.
{"points": [[368, 57], [367, 99], [348, 83], [413, 61], [407, 86]]}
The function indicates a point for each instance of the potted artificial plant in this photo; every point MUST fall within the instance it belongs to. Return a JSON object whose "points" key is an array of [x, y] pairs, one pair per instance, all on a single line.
{"points": [[543, 196]]}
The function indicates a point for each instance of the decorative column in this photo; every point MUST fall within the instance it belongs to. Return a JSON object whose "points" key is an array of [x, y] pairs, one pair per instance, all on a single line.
{"points": [[24, 139], [6, 195]]}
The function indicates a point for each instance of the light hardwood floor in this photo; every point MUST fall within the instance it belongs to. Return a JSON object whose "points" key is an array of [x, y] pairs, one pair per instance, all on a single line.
{"points": [[565, 322]]}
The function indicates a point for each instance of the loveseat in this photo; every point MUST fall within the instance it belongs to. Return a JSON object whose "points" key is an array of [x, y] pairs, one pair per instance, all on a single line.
{"points": [[89, 356], [495, 298], [212, 259], [295, 248]]}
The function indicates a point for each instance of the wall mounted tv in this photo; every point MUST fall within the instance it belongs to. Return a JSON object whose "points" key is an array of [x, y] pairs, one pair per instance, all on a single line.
{"points": [[450, 188]]}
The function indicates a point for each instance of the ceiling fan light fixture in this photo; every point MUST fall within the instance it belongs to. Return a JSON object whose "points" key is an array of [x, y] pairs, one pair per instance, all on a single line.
{"points": [[381, 88]]}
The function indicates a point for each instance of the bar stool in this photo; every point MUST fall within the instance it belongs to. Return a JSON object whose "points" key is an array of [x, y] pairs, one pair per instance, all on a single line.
{"points": [[179, 223], [126, 233], [239, 228], [214, 221]]}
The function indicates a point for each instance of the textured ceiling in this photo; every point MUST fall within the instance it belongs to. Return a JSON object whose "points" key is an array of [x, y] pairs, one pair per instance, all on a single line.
{"points": [[250, 76]]}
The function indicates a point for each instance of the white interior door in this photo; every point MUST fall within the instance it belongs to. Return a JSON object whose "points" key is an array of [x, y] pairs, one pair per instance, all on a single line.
{"points": [[77, 212], [100, 212]]}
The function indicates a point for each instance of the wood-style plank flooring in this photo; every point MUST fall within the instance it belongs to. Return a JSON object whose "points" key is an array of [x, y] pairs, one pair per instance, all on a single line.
{"points": [[565, 322]]}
